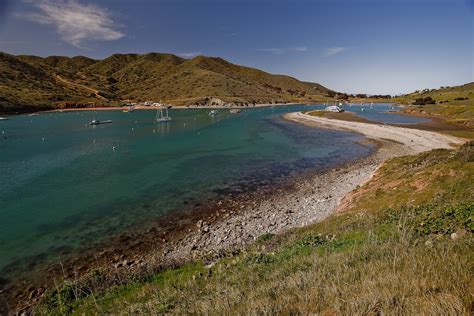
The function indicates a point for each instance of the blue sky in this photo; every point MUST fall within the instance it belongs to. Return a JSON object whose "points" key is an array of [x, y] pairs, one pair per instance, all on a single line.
{"points": [[369, 46]]}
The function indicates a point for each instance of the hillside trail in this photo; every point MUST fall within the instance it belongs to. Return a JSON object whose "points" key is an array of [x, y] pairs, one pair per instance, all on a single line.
{"points": [[67, 82]]}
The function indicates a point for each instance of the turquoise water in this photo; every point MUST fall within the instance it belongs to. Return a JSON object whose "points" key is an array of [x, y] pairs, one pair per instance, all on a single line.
{"points": [[69, 191]]}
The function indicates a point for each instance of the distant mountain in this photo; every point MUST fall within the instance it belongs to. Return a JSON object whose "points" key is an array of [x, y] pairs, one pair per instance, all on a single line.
{"points": [[29, 83]]}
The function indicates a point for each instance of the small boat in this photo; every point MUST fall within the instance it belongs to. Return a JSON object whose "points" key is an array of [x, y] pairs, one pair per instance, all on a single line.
{"points": [[235, 111], [97, 122], [213, 113], [3, 118], [160, 117], [334, 108]]}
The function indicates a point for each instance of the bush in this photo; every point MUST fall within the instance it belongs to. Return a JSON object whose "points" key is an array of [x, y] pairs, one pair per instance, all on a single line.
{"points": [[423, 101]]}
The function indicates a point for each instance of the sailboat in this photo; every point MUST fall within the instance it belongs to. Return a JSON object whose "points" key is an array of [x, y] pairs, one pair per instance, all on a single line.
{"points": [[160, 118], [129, 110]]}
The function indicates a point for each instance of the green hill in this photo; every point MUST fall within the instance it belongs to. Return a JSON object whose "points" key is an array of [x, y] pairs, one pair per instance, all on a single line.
{"points": [[29, 83], [455, 103]]}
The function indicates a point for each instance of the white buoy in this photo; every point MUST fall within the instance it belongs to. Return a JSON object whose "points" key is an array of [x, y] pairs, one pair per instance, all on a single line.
{"points": [[113, 148], [95, 141], [44, 139]]}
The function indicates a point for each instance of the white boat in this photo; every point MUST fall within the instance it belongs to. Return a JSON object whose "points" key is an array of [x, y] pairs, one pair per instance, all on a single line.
{"points": [[213, 113], [334, 108], [160, 117], [97, 122], [3, 118]]}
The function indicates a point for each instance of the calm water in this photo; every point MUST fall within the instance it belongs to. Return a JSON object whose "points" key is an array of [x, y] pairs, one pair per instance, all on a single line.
{"points": [[69, 191]]}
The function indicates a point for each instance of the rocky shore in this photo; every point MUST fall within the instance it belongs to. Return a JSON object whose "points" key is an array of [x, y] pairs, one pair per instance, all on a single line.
{"points": [[233, 222]]}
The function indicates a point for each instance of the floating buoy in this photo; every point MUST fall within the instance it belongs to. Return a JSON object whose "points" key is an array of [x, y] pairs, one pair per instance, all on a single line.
{"points": [[94, 141], [44, 139], [113, 148]]}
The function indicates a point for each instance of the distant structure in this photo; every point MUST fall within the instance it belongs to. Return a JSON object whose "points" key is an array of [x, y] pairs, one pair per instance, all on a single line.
{"points": [[334, 108]]}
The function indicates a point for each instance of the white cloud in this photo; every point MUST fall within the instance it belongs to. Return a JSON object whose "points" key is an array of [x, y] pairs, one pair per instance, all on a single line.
{"points": [[283, 50], [189, 54], [331, 51], [74, 21]]}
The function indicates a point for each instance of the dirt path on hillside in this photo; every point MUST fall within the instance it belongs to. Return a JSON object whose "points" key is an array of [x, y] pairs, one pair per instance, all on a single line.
{"points": [[67, 82]]}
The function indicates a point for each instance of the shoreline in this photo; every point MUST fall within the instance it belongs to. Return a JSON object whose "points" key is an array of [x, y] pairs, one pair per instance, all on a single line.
{"points": [[231, 224], [174, 107], [416, 140], [436, 124], [146, 107]]}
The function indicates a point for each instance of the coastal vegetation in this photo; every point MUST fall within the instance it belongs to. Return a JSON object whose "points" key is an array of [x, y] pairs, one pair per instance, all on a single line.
{"points": [[401, 244], [454, 103], [31, 83]]}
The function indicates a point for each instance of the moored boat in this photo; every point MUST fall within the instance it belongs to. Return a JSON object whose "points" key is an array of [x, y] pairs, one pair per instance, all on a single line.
{"points": [[98, 122], [161, 117]]}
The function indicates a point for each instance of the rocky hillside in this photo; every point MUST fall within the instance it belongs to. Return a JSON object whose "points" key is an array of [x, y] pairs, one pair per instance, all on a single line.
{"points": [[29, 83]]}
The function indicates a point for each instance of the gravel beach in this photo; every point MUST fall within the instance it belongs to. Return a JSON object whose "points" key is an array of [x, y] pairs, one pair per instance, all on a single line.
{"points": [[312, 198]]}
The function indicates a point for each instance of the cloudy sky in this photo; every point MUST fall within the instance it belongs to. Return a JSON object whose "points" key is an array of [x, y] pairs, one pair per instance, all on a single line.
{"points": [[371, 46]]}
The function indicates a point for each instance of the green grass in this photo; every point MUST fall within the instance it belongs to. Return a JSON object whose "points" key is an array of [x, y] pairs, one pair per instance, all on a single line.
{"points": [[316, 113], [390, 253], [456, 111]]}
